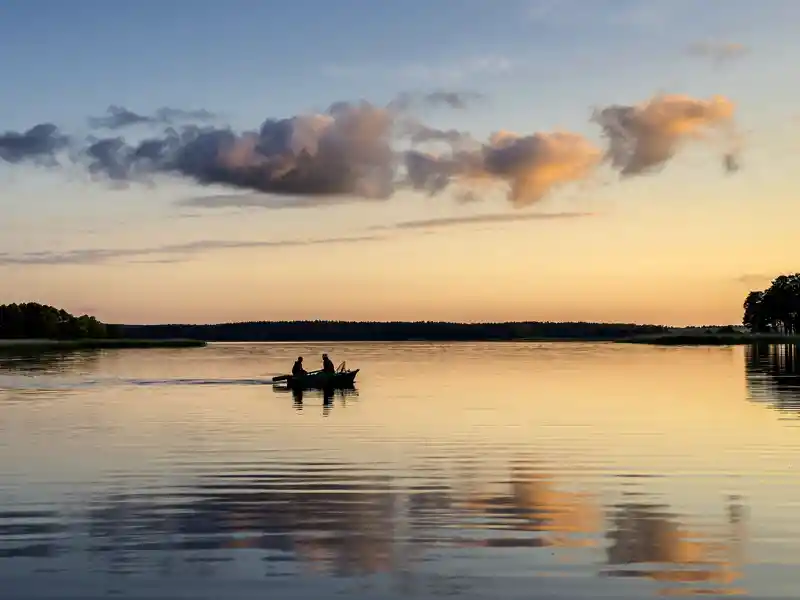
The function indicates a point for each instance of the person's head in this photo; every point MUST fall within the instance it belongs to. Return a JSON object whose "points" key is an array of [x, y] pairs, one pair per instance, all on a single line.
{"points": [[299, 359], [324, 356]]}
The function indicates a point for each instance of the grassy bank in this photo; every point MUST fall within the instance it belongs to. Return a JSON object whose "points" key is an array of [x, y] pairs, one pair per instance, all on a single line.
{"points": [[26, 345], [711, 339]]}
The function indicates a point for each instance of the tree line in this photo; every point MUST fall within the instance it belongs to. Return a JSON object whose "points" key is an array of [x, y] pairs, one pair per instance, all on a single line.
{"points": [[31, 320], [368, 331], [776, 309]]}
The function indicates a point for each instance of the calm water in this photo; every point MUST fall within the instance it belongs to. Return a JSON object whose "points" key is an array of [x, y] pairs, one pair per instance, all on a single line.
{"points": [[468, 470]]}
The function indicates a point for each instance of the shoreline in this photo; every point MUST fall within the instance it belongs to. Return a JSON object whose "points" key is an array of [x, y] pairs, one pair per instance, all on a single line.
{"points": [[98, 344], [665, 339], [661, 339], [711, 339]]}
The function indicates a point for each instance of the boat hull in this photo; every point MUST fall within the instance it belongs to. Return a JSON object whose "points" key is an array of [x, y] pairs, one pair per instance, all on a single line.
{"points": [[341, 379]]}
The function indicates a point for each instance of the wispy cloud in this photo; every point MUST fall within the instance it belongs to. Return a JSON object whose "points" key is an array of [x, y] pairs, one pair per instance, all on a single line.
{"points": [[265, 201], [117, 117], [717, 51], [456, 99], [167, 253], [482, 219]]}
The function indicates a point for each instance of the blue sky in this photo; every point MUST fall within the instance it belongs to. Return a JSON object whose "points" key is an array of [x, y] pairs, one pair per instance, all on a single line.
{"points": [[541, 65], [252, 59]]}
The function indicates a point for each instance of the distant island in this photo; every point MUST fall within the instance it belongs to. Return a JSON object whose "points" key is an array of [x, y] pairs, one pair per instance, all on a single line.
{"points": [[770, 316], [34, 326], [391, 331], [435, 331]]}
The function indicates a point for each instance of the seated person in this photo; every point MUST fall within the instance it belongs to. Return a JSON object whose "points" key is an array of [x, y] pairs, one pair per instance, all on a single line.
{"points": [[327, 365], [297, 368]]}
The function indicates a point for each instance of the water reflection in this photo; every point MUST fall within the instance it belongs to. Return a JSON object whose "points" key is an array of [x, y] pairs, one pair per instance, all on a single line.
{"points": [[773, 376], [181, 474], [30, 533], [319, 514], [19, 361], [327, 396], [348, 521], [651, 542], [345, 523], [534, 503]]}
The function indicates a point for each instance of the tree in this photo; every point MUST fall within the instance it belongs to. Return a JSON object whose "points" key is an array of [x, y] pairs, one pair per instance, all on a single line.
{"points": [[775, 309], [39, 321]]}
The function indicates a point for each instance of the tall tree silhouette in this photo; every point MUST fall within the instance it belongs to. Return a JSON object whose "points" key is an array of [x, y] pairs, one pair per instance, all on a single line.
{"points": [[775, 309]]}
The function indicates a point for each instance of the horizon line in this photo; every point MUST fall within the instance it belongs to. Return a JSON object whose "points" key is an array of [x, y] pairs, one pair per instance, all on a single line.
{"points": [[419, 322]]}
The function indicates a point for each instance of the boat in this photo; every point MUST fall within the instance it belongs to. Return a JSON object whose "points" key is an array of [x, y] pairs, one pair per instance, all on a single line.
{"points": [[339, 379]]}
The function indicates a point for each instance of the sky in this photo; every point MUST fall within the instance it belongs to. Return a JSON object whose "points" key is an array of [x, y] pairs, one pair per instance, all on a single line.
{"points": [[624, 161]]}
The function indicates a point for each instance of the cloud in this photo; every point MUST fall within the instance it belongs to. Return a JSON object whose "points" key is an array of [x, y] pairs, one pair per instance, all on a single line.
{"points": [[165, 254], [345, 151], [118, 117], [452, 99], [719, 52], [645, 137], [267, 201], [418, 133], [349, 152], [530, 166], [40, 143], [481, 219]]}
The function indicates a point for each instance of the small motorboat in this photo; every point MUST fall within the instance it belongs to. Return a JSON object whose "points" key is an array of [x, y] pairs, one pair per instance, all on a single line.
{"points": [[341, 378]]}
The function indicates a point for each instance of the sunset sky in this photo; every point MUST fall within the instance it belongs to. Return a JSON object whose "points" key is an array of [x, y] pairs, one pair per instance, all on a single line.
{"points": [[680, 243]]}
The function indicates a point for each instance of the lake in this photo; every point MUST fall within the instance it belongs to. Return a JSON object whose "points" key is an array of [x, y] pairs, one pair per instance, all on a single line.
{"points": [[496, 470]]}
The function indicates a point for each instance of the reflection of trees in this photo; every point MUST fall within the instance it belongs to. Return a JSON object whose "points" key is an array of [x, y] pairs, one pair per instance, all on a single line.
{"points": [[19, 361], [773, 375], [651, 542]]}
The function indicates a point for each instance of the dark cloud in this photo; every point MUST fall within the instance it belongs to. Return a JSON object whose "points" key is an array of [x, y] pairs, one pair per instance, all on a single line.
{"points": [[40, 143], [345, 151], [482, 219], [164, 254], [117, 117]]}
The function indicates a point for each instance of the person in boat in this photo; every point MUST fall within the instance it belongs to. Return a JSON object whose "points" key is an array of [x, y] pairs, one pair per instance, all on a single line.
{"points": [[327, 365], [297, 368]]}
